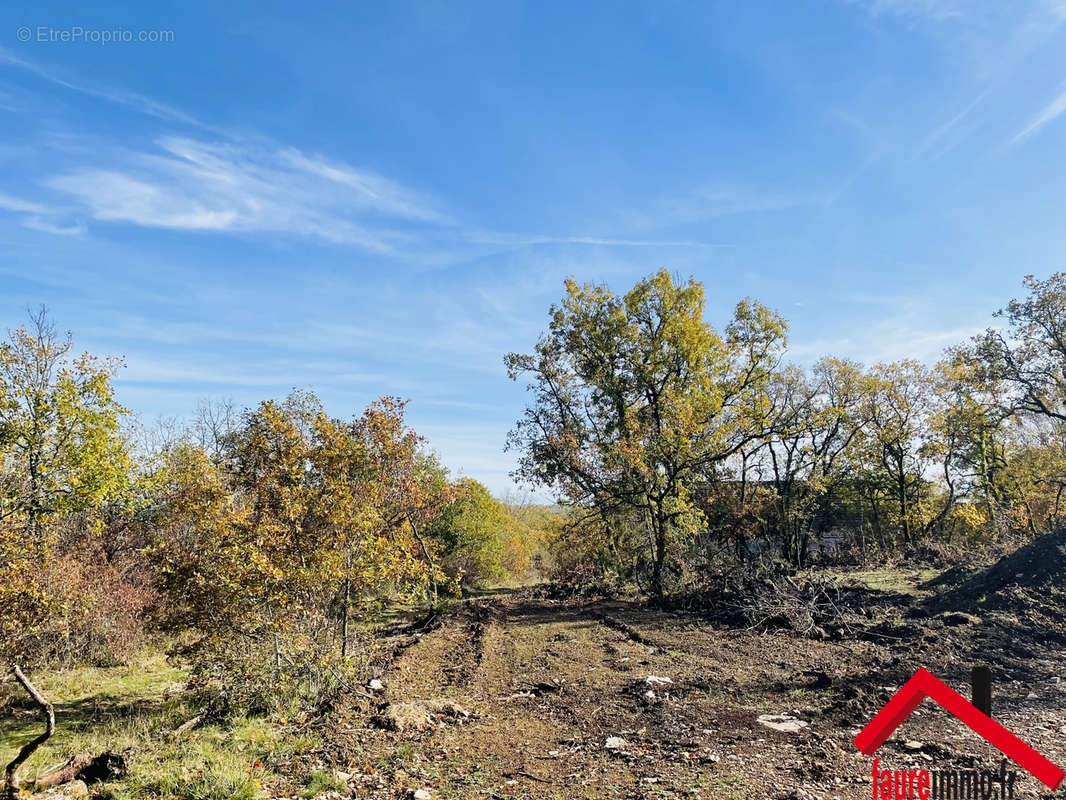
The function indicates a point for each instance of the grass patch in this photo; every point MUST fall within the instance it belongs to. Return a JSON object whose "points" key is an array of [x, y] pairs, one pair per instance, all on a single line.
{"points": [[96, 708], [320, 782], [136, 708], [899, 581]]}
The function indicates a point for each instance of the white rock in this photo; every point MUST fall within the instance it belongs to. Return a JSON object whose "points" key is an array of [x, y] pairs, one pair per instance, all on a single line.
{"points": [[616, 743], [656, 680], [422, 794], [376, 686], [782, 722]]}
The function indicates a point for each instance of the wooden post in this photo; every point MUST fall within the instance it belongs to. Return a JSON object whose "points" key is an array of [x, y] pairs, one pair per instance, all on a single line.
{"points": [[981, 689]]}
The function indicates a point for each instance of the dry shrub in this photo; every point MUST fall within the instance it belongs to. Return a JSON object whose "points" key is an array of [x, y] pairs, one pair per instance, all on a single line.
{"points": [[940, 555], [297, 664], [806, 606], [66, 611]]}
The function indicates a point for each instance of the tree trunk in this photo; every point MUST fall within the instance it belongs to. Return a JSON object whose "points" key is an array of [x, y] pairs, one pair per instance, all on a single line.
{"points": [[65, 773], [11, 772], [426, 555], [346, 614], [104, 767], [659, 534], [901, 486]]}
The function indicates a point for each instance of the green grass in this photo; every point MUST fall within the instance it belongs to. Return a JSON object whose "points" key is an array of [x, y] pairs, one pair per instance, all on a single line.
{"points": [[135, 709], [319, 782], [902, 581], [115, 707]]}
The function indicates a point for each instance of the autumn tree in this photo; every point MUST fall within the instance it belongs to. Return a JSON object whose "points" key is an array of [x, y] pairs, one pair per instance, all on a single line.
{"points": [[471, 533], [1032, 478], [1030, 355], [63, 462], [967, 440], [58, 429], [408, 485], [812, 424], [635, 397], [896, 413], [304, 520]]}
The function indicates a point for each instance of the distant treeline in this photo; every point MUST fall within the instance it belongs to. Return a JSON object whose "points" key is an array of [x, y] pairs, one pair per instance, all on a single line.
{"points": [[260, 542], [672, 441], [260, 539]]}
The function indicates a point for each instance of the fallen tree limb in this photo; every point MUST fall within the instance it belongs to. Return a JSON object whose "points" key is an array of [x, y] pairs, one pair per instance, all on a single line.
{"points": [[188, 725], [11, 772], [91, 769], [68, 772]]}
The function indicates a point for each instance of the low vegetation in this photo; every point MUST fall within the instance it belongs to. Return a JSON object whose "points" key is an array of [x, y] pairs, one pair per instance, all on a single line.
{"points": [[228, 604]]}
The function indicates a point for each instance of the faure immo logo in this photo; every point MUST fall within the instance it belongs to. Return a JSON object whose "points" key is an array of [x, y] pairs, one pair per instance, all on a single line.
{"points": [[924, 785], [934, 785]]}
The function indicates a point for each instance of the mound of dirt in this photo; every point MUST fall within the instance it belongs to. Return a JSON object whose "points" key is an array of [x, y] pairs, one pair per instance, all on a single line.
{"points": [[1038, 568]]}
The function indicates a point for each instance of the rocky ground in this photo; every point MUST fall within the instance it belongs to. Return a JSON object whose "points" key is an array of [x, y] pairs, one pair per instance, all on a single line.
{"points": [[525, 695]]}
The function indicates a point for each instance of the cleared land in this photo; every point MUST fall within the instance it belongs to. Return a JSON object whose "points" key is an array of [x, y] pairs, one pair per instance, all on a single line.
{"points": [[528, 694]]}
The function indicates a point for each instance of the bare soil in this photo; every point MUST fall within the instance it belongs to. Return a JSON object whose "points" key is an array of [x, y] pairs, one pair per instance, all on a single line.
{"points": [[516, 696]]}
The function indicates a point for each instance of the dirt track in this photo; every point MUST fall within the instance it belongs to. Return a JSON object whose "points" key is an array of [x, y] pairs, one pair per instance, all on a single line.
{"points": [[547, 682]]}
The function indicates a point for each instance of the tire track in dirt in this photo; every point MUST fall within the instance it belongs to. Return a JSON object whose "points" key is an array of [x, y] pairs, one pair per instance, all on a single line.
{"points": [[469, 651], [547, 683], [553, 676], [440, 660]]}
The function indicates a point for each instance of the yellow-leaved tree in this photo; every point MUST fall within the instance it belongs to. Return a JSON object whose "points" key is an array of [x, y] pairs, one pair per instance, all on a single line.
{"points": [[636, 398], [302, 521], [60, 455]]}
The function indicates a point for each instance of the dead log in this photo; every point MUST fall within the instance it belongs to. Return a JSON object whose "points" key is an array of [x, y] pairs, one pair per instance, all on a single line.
{"points": [[11, 772], [107, 766], [68, 772]]}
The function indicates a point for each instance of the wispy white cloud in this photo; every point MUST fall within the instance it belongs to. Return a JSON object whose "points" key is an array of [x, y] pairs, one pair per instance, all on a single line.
{"points": [[18, 205], [138, 102], [218, 181], [57, 228], [716, 200], [900, 327], [198, 185], [988, 46], [40, 218], [267, 370], [918, 9], [236, 186], [942, 131], [1048, 113]]}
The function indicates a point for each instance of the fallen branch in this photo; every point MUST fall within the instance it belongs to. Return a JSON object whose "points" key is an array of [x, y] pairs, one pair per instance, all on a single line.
{"points": [[524, 774], [11, 772], [104, 767], [188, 725], [68, 772]]}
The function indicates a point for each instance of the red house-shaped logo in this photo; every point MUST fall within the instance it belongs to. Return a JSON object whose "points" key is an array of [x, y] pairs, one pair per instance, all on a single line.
{"points": [[925, 684]]}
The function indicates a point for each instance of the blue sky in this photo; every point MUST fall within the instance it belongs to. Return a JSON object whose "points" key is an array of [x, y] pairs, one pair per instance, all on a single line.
{"points": [[385, 198]]}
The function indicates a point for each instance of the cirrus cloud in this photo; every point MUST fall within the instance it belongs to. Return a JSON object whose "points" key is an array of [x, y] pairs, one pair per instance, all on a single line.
{"points": [[190, 184]]}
